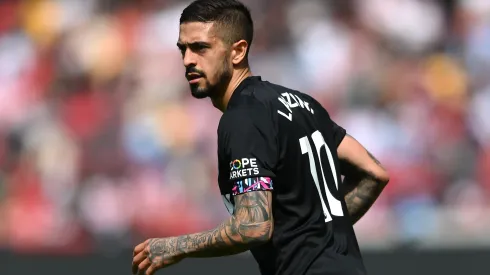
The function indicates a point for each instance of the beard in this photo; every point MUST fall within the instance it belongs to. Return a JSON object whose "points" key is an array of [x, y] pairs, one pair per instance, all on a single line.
{"points": [[201, 92], [211, 90]]}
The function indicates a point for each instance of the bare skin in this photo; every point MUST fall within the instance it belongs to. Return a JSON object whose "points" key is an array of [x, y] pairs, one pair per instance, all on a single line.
{"points": [[365, 177], [203, 49], [251, 225]]}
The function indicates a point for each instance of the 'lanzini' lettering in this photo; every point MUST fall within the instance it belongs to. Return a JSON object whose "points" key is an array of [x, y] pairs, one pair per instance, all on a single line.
{"points": [[290, 101]]}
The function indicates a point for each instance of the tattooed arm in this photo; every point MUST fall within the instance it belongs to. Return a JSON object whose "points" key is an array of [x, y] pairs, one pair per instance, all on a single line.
{"points": [[364, 180], [250, 225]]}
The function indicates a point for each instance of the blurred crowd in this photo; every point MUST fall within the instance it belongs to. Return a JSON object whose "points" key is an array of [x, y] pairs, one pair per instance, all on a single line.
{"points": [[101, 143]]}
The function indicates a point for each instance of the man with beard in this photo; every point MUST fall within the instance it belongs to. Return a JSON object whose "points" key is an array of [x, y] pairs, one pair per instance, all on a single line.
{"points": [[280, 156]]}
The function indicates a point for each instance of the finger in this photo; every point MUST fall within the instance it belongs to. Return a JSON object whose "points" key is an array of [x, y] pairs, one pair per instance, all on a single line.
{"points": [[140, 247], [137, 260], [151, 270], [143, 266]]}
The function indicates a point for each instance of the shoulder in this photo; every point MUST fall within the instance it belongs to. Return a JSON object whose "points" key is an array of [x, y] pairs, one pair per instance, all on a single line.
{"points": [[245, 117], [255, 92]]}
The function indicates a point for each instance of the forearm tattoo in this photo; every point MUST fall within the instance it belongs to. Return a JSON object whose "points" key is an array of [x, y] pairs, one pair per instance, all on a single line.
{"points": [[250, 225], [367, 189]]}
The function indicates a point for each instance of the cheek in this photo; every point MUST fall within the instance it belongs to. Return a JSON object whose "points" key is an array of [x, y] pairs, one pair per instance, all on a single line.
{"points": [[214, 66], [212, 72]]}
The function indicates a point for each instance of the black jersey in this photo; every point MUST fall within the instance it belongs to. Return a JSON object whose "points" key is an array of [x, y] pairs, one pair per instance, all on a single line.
{"points": [[274, 138]]}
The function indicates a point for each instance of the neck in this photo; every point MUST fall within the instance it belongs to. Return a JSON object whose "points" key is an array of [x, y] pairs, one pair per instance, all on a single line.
{"points": [[221, 102]]}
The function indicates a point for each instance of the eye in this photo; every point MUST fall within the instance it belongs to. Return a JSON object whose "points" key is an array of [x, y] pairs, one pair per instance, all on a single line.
{"points": [[182, 50], [199, 47]]}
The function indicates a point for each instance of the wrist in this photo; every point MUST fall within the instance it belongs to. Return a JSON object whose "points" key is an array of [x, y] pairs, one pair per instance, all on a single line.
{"points": [[184, 247]]}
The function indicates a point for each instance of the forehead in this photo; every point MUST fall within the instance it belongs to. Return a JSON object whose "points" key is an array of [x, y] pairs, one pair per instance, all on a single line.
{"points": [[196, 31]]}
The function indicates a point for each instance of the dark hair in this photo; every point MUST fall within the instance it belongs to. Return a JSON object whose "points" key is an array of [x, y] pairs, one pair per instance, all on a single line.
{"points": [[232, 18]]}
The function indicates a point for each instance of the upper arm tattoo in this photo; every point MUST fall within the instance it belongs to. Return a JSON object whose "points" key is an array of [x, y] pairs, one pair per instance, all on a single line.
{"points": [[253, 215]]}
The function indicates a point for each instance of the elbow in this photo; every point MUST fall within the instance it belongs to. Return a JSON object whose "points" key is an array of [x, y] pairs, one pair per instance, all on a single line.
{"points": [[257, 234], [383, 178]]}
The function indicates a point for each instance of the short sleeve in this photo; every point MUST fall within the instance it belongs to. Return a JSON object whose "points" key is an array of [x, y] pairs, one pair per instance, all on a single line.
{"points": [[331, 128], [248, 149], [338, 133]]}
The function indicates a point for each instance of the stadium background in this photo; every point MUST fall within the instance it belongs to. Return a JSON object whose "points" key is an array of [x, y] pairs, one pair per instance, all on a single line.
{"points": [[102, 146]]}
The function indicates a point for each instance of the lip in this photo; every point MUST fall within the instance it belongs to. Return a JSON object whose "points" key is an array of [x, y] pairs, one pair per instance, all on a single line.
{"points": [[193, 77], [194, 80]]}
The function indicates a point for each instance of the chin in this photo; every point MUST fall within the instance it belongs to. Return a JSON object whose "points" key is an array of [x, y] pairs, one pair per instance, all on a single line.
{"points": [[199, 93]]}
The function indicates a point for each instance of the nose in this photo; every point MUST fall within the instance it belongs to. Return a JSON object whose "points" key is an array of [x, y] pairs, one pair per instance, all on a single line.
{"points": [[189, 58]]}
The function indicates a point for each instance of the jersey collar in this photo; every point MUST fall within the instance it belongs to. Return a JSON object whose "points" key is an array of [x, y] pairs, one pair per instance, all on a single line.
{"points": [[244, 84]]}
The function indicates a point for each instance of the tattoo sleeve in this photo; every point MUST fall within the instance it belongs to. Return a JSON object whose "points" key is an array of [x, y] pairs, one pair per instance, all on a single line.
{"points": [[250, 225], [363, 188]]}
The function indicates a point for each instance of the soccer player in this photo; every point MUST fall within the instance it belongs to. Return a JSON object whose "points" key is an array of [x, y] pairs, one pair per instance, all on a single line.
{"points": [[281, 158]]}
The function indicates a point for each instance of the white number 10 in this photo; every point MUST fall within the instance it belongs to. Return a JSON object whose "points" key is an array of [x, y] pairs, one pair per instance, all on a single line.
{"points": [[334, 204]]}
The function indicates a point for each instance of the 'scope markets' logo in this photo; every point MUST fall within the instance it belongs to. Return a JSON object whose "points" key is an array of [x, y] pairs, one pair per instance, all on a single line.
{"points": [[243, 168]]}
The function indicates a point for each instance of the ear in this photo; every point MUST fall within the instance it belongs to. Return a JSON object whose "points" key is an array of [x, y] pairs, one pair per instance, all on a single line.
{"points": [[239, 51]]}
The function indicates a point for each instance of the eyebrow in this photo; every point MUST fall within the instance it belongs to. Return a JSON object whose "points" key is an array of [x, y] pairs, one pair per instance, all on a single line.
{"points": [[194, 44]]}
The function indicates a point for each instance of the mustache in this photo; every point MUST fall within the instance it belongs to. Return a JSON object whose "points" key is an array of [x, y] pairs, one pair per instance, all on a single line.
{"points": [[194, 70]]}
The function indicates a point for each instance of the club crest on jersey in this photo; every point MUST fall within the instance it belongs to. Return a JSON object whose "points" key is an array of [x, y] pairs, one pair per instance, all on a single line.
{"points": [[244, 167]]}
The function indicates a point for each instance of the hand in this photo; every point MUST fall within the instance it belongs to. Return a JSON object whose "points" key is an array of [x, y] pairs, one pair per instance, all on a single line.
{"points": [[155, 254]]}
